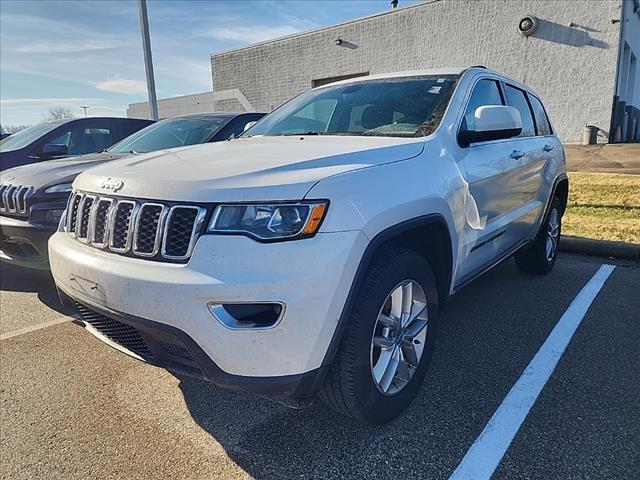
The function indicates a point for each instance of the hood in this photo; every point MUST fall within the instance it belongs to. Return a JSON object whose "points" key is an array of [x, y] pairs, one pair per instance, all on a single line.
{"points": [[255, 168], [52, 172]]}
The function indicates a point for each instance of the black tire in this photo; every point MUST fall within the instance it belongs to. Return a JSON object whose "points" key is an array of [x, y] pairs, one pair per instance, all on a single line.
{"points": [[534, 258], [349, 386]]}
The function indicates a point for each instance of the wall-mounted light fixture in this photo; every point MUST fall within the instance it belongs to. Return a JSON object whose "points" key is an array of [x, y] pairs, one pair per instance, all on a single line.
{"points": [[527, 25], [343, 43]]}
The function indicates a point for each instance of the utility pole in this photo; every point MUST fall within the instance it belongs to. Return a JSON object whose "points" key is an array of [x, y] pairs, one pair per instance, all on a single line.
{"points": [[84, 107], [148, 63]]}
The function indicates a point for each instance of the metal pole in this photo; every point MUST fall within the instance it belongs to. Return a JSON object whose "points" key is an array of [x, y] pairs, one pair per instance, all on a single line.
{"points": [[148, 63], [85, 110]]}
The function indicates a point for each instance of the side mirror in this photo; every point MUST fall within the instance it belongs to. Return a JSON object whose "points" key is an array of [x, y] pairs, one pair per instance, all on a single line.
{"points": [[53, 150], [249, 125], [492, 122]]}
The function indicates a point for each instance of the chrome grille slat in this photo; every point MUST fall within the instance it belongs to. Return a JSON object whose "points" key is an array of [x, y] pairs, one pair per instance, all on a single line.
{"points": [[180, 248], [72, 212], [152, 230], [147, 233], [14, 198], [100, 220], [3, 187], [8, 194], [121, 226], [83, 226]]}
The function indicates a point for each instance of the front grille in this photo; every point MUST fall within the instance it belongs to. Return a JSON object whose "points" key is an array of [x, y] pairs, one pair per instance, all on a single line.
{"points": [[179, 232], [15, 199], [121, 333], [177, 351], [83, 221], [135, 228]]}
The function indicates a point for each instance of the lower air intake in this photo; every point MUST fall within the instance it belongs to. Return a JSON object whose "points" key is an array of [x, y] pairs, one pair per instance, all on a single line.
{"points": [[121, 333]]}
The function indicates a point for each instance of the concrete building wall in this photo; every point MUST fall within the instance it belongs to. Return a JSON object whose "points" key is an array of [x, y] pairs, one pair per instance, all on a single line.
{"points": [[626, 118], [171, 107], [570, 60]]}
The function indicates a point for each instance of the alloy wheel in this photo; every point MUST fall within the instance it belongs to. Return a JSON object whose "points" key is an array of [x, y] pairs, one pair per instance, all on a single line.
{"points": [[553, 234], [399, 337]]}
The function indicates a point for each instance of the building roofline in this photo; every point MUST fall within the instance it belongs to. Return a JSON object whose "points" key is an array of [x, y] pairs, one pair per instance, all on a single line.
{"points": [[327, 27], [146, 102]]}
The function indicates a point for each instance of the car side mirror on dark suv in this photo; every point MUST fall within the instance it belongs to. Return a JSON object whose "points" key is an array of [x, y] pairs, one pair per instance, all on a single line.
{"points": [[53, 150], [492, 122]]}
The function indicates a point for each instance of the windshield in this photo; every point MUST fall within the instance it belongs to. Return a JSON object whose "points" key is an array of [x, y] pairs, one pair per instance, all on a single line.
{"points": [[170, 133], [394, 107], [24, 137]]}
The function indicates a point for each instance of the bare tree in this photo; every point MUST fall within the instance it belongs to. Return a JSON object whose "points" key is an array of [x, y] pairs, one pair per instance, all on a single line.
{"points": [[58, 113], [14, 128]]}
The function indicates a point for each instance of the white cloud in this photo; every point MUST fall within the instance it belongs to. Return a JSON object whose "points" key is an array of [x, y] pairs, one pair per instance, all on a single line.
{"points": [[19, 111], [254, 33], [43, 101], [123, 85]]}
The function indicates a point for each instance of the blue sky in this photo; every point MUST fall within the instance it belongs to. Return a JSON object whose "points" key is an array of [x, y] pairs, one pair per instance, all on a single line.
{"points": [[72, 53]]}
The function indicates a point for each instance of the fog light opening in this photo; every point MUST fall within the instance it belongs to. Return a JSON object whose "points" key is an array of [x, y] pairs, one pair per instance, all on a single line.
{"points": [[244, 316]]}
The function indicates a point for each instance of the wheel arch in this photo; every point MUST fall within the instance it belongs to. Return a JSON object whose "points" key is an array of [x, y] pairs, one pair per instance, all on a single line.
{"points": [[561, 190], [429, 236]]}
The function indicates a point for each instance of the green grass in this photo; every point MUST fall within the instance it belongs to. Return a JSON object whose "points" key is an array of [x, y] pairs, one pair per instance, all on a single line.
{"points": [[603, 206]]}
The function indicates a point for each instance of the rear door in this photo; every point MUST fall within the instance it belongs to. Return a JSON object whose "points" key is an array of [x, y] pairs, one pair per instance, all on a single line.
{"points": [[528, 197]]}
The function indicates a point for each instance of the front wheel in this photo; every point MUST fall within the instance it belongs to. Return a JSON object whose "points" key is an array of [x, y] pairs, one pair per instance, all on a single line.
{"points": [[541, 255], [385, 351]]}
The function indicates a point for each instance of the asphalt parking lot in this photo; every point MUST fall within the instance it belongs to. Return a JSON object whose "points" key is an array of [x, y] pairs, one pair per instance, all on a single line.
{"points": [[73, 408]]}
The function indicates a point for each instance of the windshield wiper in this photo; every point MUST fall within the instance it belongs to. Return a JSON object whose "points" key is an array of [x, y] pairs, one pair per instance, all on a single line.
{"points": [[311, 132]]}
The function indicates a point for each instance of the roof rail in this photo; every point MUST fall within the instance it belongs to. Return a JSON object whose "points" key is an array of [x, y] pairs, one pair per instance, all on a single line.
{"points": [[478, 66]]}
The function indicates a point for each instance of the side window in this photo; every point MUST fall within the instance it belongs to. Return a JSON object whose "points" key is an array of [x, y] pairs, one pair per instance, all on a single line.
{"points": [[82, 139], [62, 139], [486, 92], [542, 121], [517, 98], [97, 139]]}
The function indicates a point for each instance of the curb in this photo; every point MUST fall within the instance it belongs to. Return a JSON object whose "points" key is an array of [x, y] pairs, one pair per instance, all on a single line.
{"points": [[600, 248]]}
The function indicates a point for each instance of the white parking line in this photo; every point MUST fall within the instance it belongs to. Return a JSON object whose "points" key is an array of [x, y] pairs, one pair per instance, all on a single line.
{"points": [[33, 328], [486, 452]]}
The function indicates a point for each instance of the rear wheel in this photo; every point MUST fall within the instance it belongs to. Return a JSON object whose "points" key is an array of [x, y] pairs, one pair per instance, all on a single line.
{"points": [[541, 255], [386, 348]]}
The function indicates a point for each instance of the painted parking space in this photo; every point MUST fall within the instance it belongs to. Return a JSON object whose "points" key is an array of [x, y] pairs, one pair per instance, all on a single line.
{"points": [[74, 408]]}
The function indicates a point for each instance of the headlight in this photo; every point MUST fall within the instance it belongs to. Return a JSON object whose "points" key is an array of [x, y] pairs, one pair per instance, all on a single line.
{"points": [[60, 188], [269, 221]]}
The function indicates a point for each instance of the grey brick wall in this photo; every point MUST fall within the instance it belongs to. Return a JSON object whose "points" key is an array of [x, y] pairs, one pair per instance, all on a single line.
{"points": [[171, 107], [570, 61]]}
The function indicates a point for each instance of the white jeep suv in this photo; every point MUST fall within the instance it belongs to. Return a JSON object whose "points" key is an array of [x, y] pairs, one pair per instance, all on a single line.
{"points": [[310, 257]]}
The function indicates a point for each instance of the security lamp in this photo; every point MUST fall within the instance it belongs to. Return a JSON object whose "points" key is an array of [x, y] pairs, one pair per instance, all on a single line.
{"points": [[527, 25]]}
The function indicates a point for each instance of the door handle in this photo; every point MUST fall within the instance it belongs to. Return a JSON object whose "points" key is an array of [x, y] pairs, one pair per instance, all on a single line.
{"points": [[547, 147], [517, 154]]}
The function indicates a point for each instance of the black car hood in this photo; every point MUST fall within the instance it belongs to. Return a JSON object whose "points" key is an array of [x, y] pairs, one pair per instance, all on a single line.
{"points": [[53, 172]]}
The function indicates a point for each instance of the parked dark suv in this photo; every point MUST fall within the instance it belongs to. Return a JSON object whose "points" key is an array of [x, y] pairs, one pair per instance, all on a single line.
{"points": [[65, 138], [33, 197]]}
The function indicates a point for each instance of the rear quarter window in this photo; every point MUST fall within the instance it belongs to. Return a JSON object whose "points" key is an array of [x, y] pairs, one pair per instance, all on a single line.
{"points": [[539, 113]]}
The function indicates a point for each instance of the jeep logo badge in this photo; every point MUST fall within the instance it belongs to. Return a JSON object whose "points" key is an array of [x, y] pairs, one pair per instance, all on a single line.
{"points": [[111, 184]]}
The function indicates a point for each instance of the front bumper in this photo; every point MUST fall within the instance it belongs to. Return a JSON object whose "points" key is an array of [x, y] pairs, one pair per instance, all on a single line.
{"points": [[311, 277], [23, 243]]}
